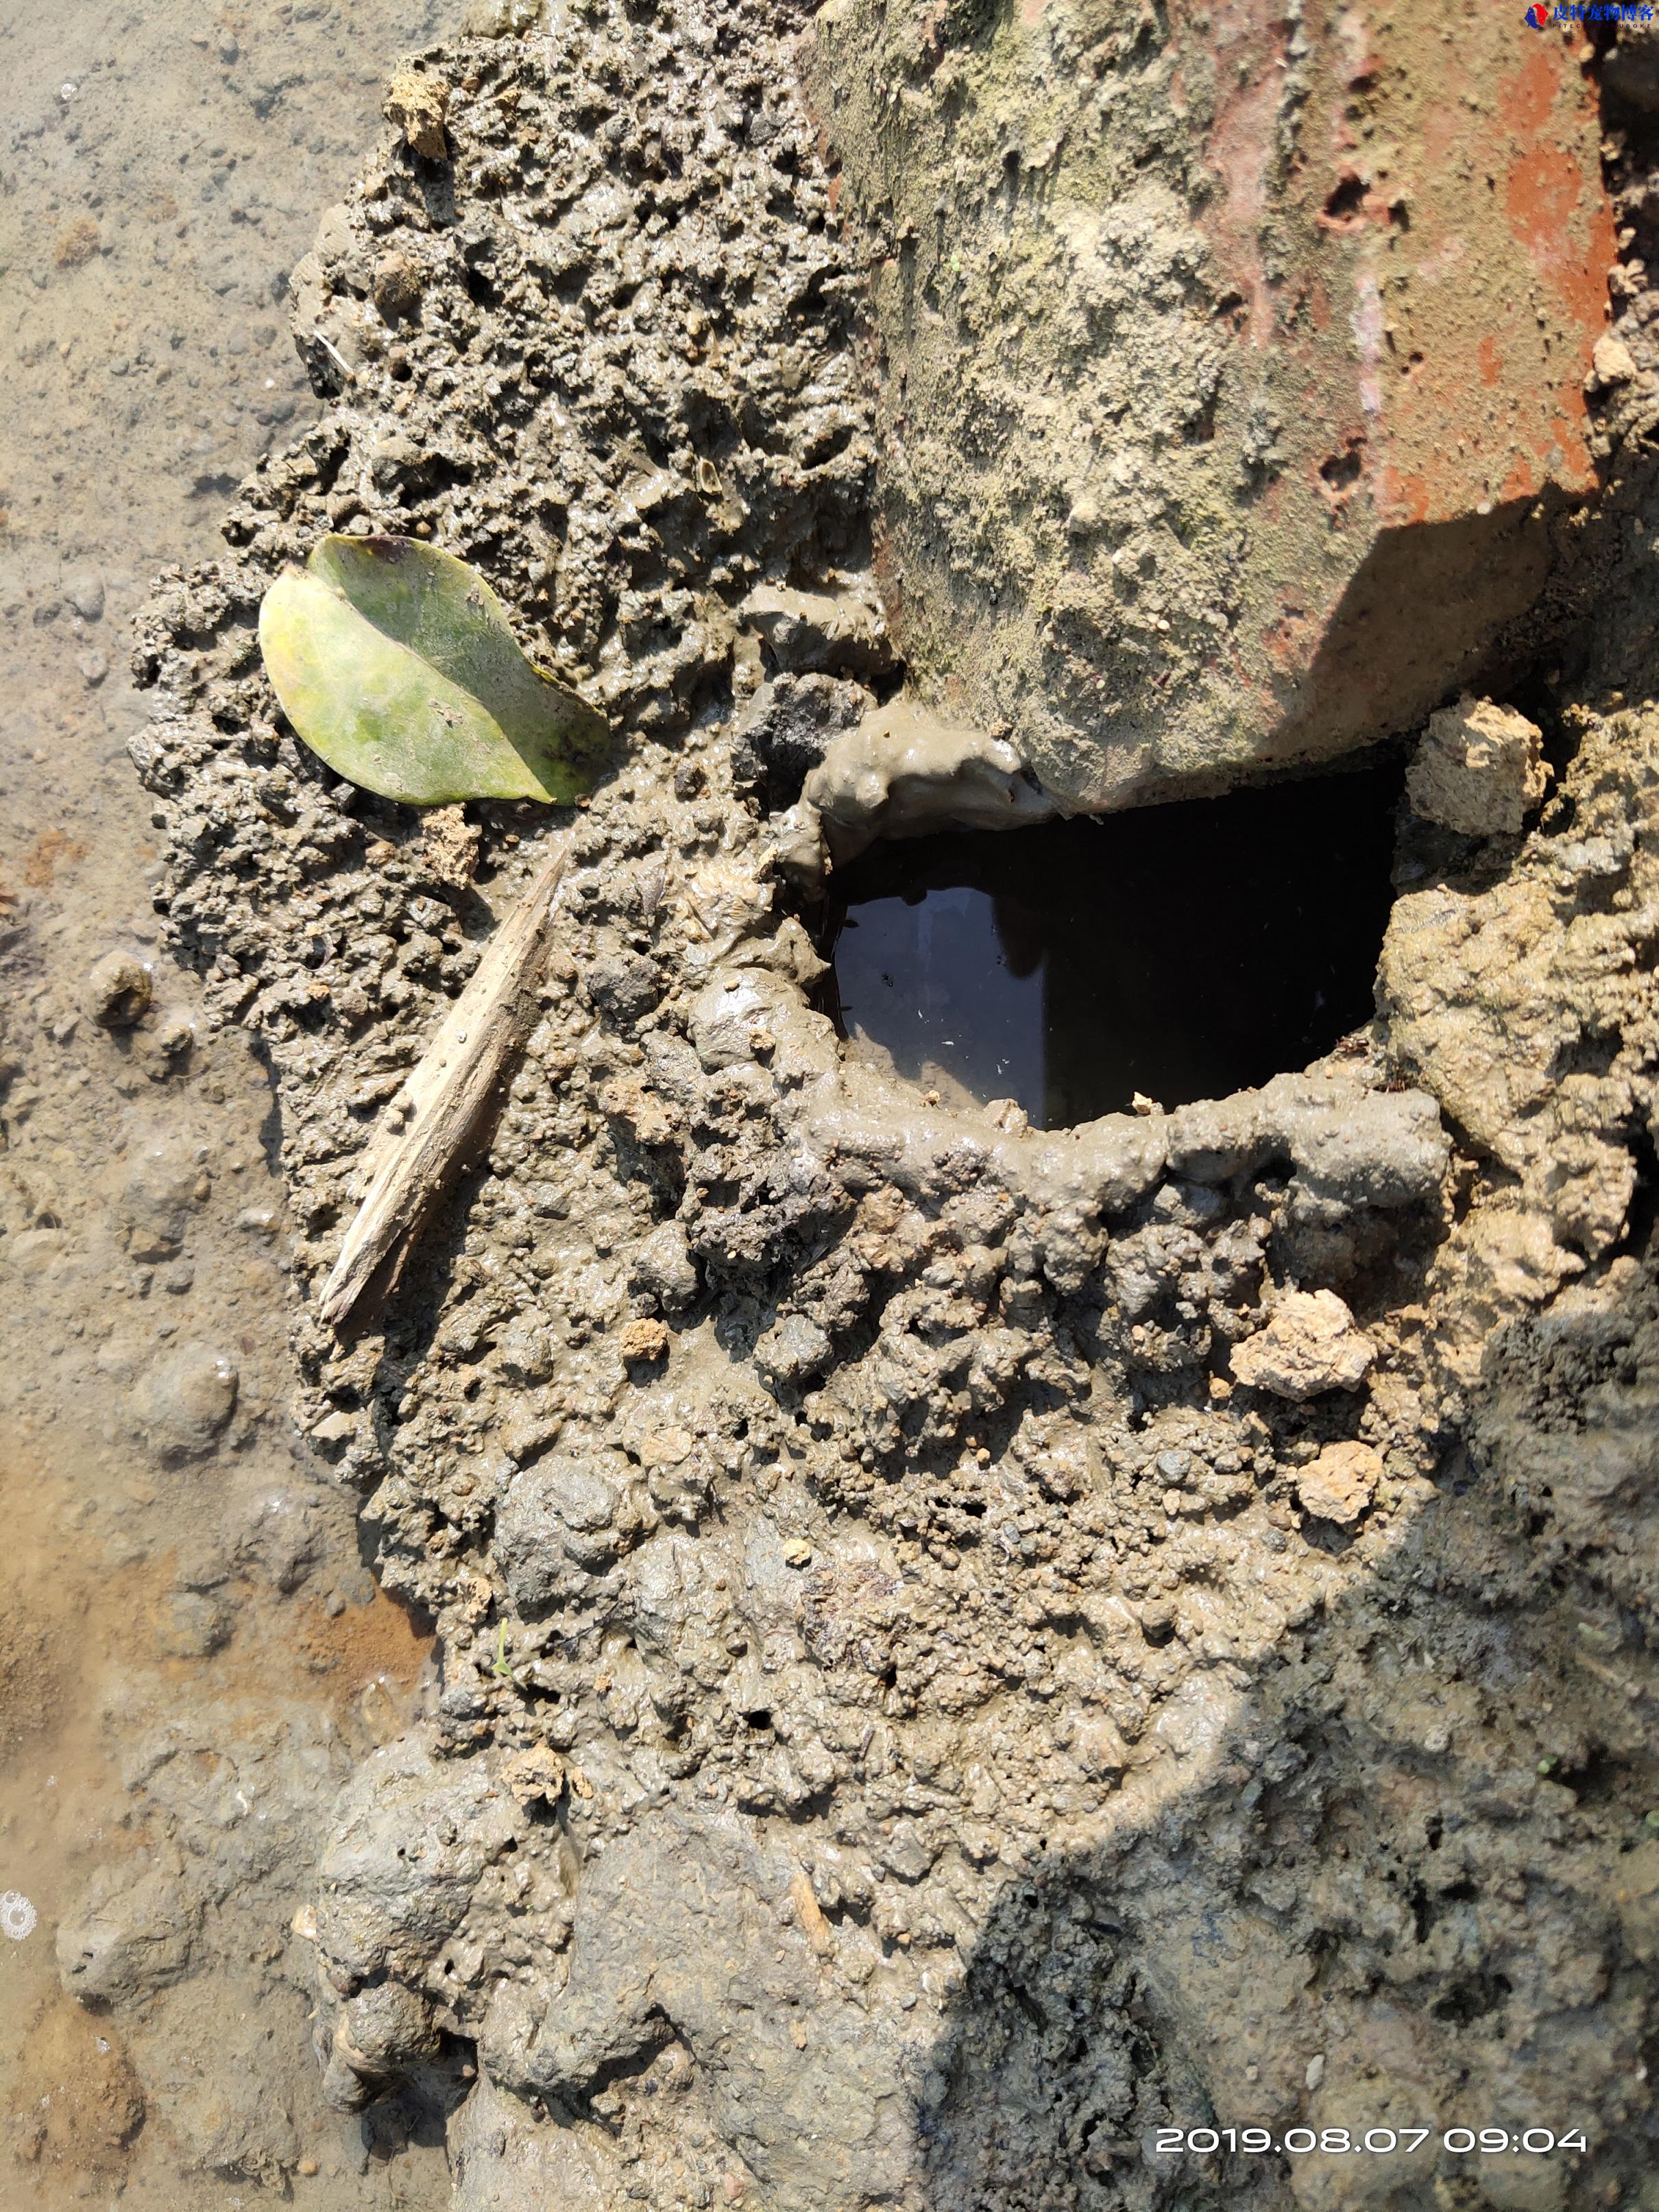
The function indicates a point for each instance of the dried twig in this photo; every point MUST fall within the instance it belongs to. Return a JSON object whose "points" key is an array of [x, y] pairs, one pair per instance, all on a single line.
{"points": [[336, 356], [434, 1120]]}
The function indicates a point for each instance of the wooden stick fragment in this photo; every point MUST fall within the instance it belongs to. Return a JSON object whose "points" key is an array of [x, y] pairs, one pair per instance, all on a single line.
{"points": [[432, 1124]]}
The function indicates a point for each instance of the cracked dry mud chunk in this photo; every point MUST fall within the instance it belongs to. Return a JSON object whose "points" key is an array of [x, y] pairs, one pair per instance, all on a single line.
{"points": [[415, 105], [1478, 768], [1309, 1344], [449, 845], [1339, 1483]]}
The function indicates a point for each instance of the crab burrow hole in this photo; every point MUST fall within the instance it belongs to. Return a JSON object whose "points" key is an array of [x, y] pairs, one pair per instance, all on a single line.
{"points": [[1177, 952]]}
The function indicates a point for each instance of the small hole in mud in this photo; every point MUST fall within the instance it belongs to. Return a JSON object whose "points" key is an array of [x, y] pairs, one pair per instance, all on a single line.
{"points": [[1472, 1998], [1341, 472], [1179, 951], [1347, 201]]}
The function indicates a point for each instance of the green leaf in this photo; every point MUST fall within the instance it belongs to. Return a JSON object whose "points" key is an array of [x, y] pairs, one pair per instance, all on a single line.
{"points": [[396, 664]]}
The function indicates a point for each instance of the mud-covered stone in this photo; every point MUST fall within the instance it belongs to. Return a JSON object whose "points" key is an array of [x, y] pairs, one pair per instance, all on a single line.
{"points": [[163, 1187], [1192, 456], [118, 989], [184, 1399]]}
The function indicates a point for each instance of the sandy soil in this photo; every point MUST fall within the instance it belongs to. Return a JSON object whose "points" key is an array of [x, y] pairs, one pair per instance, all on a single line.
{"points": [[183, 1588]]}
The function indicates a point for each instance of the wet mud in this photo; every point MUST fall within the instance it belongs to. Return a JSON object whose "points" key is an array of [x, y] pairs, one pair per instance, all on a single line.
{"points": [[958, 1646], [1169, 953], [191, 1646]]}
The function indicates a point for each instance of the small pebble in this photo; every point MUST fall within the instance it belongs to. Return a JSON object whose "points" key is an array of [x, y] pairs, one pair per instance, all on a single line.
{"points": [[118, 989], [185, 1400], [643, 1341], [83, 587], [175, 1032], [1158, 1620]]}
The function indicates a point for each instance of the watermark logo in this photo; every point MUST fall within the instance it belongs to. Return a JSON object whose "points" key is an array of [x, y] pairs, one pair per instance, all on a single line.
{"points": [[1540, 15]]}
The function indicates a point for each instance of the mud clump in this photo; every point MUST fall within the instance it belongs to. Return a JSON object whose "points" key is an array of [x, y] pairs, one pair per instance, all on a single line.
{"points": [[1478, 769], [929, 1609], [185, 1399], [118, 991], [133, 1935]]}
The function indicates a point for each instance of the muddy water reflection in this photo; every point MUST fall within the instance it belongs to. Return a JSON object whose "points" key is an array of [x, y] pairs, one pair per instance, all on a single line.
{"points": [[1183, 951], [190, 1647]]}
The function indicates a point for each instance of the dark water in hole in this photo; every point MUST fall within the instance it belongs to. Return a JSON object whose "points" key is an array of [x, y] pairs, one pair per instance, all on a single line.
{"points": [[1184, 952]]}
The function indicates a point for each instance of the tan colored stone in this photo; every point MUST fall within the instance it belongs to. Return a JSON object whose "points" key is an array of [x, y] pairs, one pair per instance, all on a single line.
{"points": [[1479, 770], [533, 1775], [415, 105], [449, 845], [666, 1447], [1613, 362], [643, 1341], [1340, 1483], [1309, 1344], [652, 1119]]}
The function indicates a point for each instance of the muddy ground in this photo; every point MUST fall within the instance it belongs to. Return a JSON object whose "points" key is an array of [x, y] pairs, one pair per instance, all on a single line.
{"points": [[190, 1641], [958, 1646]]}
